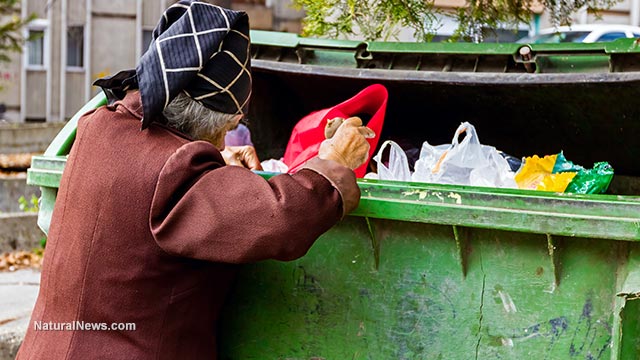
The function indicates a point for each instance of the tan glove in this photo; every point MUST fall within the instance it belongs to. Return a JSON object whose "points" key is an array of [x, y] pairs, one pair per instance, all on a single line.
{"points": [[244, 156], [332, 126], [348, 146]]}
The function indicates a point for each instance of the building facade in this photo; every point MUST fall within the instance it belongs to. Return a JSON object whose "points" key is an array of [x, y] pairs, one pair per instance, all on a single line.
{"points": [[76, 42]]}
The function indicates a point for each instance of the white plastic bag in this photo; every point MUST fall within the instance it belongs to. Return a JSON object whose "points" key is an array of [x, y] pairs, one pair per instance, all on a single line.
{"points": [[398, 168], [465, 162], [273, 165]]}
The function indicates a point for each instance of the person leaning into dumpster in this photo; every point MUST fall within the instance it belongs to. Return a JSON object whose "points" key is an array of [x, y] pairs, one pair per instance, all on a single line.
{"points": [[149, 225]]}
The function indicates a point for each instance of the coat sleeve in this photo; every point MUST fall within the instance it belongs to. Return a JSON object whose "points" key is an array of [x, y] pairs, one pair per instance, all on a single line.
{"points": [[205, 210]]}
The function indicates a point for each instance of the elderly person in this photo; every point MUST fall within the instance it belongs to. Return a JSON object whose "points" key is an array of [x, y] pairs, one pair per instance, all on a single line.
{"points": [[149, 225]]}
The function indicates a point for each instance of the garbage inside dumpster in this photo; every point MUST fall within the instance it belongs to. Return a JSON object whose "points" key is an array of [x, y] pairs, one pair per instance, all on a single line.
{"points": [[592, 181], [556, 173], [467, 162], [463, 162], [438, 271], [537, 173]]}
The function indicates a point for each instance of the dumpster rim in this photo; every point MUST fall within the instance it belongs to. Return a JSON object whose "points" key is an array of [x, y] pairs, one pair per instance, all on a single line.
{"points": [[451, 78]]}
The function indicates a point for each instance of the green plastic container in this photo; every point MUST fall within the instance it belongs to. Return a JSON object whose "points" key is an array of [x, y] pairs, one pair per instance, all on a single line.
{"points": [[425, 271]]}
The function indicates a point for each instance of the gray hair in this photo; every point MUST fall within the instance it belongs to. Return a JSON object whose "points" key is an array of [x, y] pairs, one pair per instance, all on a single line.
{"points": [[194, 119]]}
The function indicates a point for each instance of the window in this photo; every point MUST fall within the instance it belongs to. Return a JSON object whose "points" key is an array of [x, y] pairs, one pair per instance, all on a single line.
{"points": [[147, 36], [612, 36], [35, 47], [556, 37], [574, 36], [36, 55], [75, 46]]}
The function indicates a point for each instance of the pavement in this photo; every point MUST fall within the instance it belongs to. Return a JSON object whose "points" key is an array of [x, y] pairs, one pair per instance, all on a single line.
{"points": [[18, 293]]}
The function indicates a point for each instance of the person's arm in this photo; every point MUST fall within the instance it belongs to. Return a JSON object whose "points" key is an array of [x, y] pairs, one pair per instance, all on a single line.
{"points": [[205, 210]]}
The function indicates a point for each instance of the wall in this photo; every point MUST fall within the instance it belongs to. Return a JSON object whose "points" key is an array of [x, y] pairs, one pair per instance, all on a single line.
{"points": [[53, 87], [36, 94], [151, 11], [114, 7], [20, 232], [11, 189], [116, 49], [27, 138], [75, 94], [10, 87], [286, 17], [39, 7], [260, 16]]}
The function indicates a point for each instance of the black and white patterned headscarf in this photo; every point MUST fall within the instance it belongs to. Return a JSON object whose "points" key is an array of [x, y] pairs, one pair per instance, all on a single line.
{"points": [[200, 49]]}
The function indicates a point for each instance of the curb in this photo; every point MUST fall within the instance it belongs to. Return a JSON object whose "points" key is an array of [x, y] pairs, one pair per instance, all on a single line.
{"points": [[20, 231]]}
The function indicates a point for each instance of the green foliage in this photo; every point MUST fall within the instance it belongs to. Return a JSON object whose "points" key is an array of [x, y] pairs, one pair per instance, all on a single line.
{"points": [[382, 19], [480, 15], [371, 19], [43, 244], [29, 206], [32, 206], [11, 40]]}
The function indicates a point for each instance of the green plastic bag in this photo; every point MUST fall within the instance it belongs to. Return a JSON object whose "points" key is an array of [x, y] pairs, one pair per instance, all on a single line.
{"points": [[586, 181], [564, 165], [592, 181]]}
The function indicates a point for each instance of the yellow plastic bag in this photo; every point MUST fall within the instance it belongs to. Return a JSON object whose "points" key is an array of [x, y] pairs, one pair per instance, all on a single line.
{"points": [[536, 174], [556, 182]]}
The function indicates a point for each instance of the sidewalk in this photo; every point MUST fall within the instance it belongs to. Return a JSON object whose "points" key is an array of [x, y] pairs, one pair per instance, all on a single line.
{"points": [[18, 292]]}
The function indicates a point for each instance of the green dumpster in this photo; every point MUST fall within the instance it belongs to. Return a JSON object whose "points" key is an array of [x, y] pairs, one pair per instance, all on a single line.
{"points": [[426, 271]]}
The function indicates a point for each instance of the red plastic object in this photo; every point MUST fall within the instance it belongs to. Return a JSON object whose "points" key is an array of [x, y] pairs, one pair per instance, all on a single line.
{"points": [[309, 132]]}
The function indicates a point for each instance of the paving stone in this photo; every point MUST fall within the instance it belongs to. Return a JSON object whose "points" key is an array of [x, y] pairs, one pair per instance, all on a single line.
{"points": [[18, 293]]}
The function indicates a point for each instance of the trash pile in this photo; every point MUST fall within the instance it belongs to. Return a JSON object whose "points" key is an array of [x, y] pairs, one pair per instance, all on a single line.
{"points": [[468, 162], [556, 173], [464, 161]]}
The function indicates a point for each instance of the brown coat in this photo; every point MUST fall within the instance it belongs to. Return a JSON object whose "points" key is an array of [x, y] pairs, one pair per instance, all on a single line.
{"points": [[146, 229]]}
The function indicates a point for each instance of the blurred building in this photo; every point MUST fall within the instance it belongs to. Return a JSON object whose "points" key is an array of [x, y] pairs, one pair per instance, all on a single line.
{"points": [[625, 12], [78, 41]]}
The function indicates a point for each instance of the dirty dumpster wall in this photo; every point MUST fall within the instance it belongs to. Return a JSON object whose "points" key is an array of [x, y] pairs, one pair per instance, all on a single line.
{"points": [[514, 302]]}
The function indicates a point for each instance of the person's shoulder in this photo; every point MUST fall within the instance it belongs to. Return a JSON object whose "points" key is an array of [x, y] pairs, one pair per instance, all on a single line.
{"points": [[191, 160], [199, 148]]}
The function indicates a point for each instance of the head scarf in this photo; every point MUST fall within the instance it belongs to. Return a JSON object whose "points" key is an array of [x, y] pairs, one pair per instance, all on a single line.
{"points": [[198, 48]]}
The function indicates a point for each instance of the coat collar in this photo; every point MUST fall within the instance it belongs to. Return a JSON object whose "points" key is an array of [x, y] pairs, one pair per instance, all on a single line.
{"points": [[132, 103]]}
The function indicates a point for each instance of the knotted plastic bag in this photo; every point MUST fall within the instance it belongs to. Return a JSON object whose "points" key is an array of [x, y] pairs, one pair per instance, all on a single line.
{"points": [[592, 181], [465, 162]]}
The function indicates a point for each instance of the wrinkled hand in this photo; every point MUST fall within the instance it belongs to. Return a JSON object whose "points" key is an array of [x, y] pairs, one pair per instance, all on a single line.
{"points": [[348, 146], [244, 156]]}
